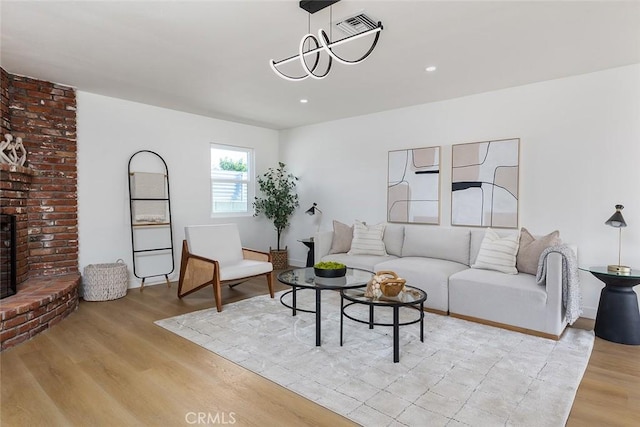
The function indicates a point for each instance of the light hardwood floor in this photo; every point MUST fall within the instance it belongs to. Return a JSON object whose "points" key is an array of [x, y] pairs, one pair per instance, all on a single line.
{"points": [[107, 364]]}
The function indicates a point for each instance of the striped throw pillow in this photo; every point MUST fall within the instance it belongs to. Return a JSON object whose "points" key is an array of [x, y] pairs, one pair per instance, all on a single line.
{"points": [[367, 240], [498, 253]]}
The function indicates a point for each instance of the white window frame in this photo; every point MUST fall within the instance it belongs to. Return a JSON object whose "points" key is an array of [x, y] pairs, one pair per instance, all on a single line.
{"points": [[250, 180]]}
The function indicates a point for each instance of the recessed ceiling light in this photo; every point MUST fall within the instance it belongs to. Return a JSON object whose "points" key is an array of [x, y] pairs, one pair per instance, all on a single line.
{"points": [[304, 101], [430, 69]]}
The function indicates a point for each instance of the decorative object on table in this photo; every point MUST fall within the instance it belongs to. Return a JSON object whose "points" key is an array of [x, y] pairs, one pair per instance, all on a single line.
{"points": [[617, 221], [315, 210], [384, 283], [12, 153], [279, 200], [484, 183], [104, 282], [356, 26], [413, 186], [330, 269]]}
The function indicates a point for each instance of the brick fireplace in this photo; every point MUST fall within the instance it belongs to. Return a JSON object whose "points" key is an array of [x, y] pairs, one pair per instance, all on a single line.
{"points": [[42, 195]]}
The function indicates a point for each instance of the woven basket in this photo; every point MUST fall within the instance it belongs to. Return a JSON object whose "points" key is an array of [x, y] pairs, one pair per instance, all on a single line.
{"points": [[279, 259], [392, 285], [104, 282]]}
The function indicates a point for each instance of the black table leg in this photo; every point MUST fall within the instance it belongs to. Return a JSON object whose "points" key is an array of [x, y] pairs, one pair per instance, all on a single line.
{"points": [[294, 301], [396, 333], [371, 317], [310, 258], [318, 298], [341, 316], [421, 322]]}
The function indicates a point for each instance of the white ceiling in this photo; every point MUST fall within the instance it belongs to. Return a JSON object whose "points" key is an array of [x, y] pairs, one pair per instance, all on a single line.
{"points": [[211, 57]]}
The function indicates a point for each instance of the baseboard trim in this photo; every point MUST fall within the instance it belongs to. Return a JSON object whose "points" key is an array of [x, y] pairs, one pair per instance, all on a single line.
{"points": [[589, 312], [434, 311], [505, 326]]}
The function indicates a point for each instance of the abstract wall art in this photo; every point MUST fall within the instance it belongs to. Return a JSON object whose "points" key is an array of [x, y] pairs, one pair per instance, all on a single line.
{"points": [[413, 186], [484, 183]]}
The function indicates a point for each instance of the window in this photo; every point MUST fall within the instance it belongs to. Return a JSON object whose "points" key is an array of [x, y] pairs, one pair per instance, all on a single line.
{"points": [[232, 184]]}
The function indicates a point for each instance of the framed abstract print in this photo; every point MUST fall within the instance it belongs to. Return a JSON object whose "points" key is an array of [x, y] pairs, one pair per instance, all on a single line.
{"points": [[413, 186], [484, 183]]}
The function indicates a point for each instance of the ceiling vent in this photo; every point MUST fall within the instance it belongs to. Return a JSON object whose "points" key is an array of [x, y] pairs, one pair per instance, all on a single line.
{"points": [[356, 24]]}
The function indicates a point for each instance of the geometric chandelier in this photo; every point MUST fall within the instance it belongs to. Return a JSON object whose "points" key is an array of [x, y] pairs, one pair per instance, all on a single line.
{"points": [[322, 44]]}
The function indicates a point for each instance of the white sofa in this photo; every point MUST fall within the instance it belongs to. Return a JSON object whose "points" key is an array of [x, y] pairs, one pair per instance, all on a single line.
{"points": [[438, 260]]}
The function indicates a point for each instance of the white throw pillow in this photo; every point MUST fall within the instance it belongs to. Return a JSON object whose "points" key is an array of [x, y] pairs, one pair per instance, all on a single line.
{"points": [[367, 240], [498, 253]]}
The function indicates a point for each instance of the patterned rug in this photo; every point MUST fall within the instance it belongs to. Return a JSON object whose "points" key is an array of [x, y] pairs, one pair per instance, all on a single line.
{"points": [[463, 374]]}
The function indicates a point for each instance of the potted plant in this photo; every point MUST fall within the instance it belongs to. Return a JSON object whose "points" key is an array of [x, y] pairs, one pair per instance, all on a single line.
{"points": [[279, 200]]}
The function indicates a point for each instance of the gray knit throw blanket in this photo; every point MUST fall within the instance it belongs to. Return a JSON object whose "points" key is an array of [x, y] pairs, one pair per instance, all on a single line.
{"points": [[571, 297]]}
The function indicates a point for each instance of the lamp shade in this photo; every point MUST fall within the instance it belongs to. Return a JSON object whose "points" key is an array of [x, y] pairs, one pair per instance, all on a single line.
{"points": [[617, 220], [313, 209]]}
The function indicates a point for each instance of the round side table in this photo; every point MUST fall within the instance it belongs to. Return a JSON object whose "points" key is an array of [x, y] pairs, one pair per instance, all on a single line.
{"points": [[618, 317]]}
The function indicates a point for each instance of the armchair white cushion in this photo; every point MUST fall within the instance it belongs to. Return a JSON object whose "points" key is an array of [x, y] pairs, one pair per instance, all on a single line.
{"points": [[213, 254]]}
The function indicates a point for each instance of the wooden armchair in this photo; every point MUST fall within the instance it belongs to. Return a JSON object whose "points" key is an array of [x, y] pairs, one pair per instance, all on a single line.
{"points": [[213, 255]]}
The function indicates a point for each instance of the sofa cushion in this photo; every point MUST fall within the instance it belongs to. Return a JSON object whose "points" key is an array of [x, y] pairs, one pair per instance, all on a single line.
{"points": [[476, 240], [504, 298], [365, 262], [393, 239], [531, 249], [429, 274], [498, 253], [245, 268], [435, 242], [342, 236], [367, 239], [220, 242]]}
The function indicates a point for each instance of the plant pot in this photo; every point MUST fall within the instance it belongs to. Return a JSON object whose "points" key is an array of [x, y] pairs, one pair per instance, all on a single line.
{"points": [[279, 258]]}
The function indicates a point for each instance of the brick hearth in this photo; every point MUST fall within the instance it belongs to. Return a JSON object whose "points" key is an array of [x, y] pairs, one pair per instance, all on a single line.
{"points": [[43, 197], [39, 304]]}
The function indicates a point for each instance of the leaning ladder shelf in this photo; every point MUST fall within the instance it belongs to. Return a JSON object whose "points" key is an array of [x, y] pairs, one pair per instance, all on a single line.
{"points": [[150, 211]]}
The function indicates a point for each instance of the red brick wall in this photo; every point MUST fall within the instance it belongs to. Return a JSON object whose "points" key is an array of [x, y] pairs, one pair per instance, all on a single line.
{"points": [[5, 124], [43, 114], [15, 182]]}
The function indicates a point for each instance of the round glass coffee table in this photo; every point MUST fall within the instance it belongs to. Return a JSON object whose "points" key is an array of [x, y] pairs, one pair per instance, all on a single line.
{"points": [[411, 297], [305, 278]]}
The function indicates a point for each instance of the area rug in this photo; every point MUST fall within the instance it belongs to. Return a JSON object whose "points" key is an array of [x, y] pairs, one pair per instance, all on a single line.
{"points": [[463, 373]]}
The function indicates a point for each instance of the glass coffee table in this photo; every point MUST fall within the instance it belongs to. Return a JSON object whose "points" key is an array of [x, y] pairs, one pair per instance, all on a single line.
{"points": [[305, 278], [412, 298]]}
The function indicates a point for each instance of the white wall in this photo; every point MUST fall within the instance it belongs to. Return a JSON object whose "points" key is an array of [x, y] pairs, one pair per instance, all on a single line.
{"points": [[110, 130], [580, 155]]}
